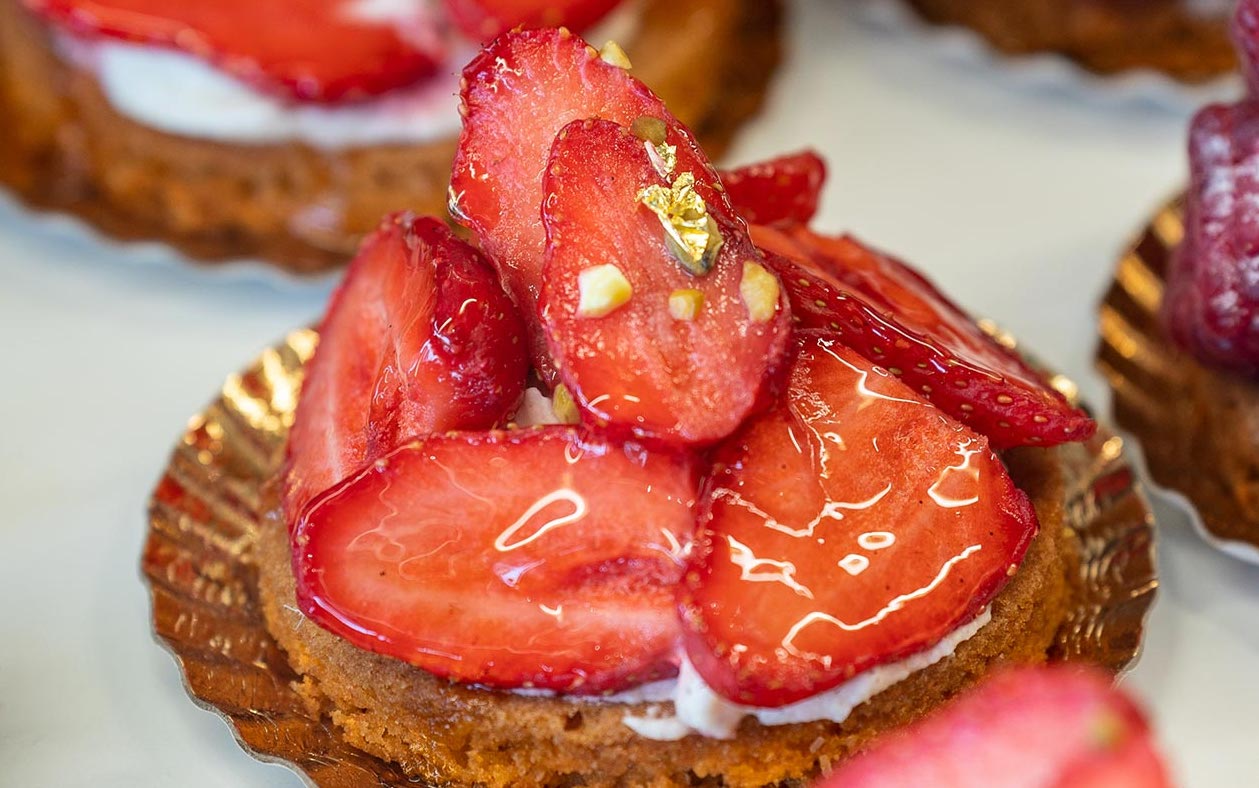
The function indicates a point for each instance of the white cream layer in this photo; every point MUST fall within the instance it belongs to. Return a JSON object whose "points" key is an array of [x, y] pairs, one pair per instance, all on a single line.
{"points": [[176, 93], [180, 94], [698, 709]]}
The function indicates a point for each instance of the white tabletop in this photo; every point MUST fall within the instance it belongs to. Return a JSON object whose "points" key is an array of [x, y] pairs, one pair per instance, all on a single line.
{"points": [[1016, 199]]}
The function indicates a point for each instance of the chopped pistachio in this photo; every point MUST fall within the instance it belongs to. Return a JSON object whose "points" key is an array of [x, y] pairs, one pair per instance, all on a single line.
{"points": [[563, 406], [685, 304], [760, 292], [603, 289], [613, 55], [691, 235], [649, 129]]}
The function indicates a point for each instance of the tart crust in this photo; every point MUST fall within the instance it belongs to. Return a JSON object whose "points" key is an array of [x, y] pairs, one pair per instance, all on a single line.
{"points": [[445, 733], [302, 208], [1106, 36]]}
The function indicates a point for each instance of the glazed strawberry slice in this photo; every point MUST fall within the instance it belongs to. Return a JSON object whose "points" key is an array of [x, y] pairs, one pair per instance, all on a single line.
{"points": [[1212, 299], [1058, 727], [854, 525], [531, 558], [517, 95], [896, 318], [483, 20], [310, 50], [781, 190], [419, 338], [659, 312]]}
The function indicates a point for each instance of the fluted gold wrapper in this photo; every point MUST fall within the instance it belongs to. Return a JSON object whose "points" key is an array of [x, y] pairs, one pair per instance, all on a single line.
{"points": [[205, 514]]}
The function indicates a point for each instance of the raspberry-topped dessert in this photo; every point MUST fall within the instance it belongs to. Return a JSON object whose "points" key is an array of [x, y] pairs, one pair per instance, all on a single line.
{"points": [[285, 128], [1206, 443], [1185, 39], [628, 491]]}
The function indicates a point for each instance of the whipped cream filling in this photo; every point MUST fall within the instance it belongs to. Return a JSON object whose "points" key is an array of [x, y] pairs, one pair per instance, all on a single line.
{"points": [[178, 93], [698, 709]]}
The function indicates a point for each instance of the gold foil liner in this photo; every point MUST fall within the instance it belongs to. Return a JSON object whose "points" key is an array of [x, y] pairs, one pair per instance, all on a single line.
{"points": [[1153, 386], [204, 519]]}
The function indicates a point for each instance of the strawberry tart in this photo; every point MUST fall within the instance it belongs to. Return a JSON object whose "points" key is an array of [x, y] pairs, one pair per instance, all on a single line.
{"points": [[1201, 429], [284, 129], [633, 492], [1186, 39]]}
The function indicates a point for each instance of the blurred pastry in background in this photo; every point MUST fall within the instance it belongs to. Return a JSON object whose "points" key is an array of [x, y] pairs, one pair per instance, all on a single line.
{"points": [[285, 129], [1180, 326], [1185, 39]]}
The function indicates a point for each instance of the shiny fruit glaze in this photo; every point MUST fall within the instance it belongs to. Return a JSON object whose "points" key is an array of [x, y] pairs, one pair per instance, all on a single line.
{"points": [[854, 525]]}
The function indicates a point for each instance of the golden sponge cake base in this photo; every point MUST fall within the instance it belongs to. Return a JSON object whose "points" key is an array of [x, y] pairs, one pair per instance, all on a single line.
{"points": [[445, 733]]}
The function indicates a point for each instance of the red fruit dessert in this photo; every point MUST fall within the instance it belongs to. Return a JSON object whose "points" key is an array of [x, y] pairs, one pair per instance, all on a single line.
{"points": [[485, 20], [785, 190], [641, 246], [1184, 39], [418, 338], [759, 549], [1180, 325], [1027, 728], [892, 314], [852, 462], [215, 128], [554, 572]]}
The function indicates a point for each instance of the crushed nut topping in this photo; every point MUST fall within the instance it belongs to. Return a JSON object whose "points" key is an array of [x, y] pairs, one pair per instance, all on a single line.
{"points": [[613, 55], [760, 292], [603, 289], [563, 405], [685, 304]]}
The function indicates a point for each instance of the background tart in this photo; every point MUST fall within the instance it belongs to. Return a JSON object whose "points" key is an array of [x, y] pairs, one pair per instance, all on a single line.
{"points": [[1198, 425], [447, 733], [304, 208], [1106, 36]]}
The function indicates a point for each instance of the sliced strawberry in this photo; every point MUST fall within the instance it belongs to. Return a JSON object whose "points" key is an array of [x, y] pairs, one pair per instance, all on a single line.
{"points": [[311, 50], [892, 315], [518, 93], [484, 20], [1212, 299], [686, 348], [531, 558], [854, 525], [1057, 727], [419, 338], [785, 189]]}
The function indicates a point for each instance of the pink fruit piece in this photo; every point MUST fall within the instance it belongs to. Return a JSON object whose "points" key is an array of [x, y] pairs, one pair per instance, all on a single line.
{"points": [[539, 558], [483, 20], [1211, 304], [309, 50], [852, 526], [782, 190], [1058, 727], [896, 318], [418, 338], [659, 312], [517, 95]]}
